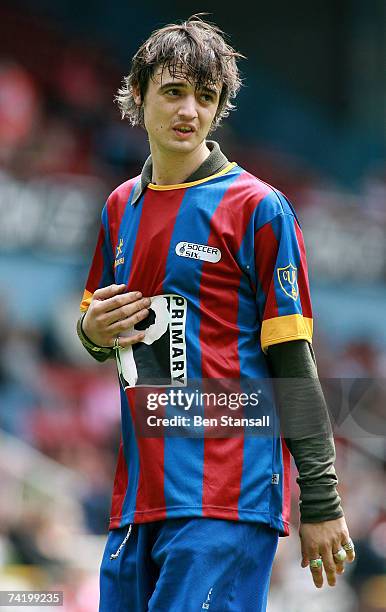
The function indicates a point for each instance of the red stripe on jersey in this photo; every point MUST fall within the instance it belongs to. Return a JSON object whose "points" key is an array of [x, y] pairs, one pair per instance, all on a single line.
{"points": [[220, 282], [151, 464], [116, 206], [119, 490], [96, 270], [219, 293], [266, 247], [221, 489], [286, 507], [304, 289], [147, 275], [158, 217]]}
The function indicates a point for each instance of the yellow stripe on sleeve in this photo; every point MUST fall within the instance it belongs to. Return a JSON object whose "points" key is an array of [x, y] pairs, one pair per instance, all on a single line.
{"points": [[86, 301], [283, 329]]}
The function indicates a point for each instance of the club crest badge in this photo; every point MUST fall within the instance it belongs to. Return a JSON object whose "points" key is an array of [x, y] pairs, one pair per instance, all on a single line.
{"points": [[288, 279]]}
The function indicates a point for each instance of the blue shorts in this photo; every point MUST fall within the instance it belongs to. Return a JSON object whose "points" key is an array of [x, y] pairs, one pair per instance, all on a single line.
{"points": [[187, 565]]}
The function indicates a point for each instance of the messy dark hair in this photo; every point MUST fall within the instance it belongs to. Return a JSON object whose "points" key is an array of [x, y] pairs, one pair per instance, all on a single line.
{"points": [[193, 49]]}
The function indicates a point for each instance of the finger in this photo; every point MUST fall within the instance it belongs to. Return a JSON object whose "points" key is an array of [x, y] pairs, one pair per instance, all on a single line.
{"points": [[125, 324], [350, 556], [125, 341], [125, 311], [118, 301], [317, 576], [107, 292], [339, 567], [329, 565], [317, 572], [350, 553], [305, 560]]}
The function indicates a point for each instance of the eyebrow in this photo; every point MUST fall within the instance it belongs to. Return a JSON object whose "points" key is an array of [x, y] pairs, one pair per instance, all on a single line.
{"points": [[184, 86]]}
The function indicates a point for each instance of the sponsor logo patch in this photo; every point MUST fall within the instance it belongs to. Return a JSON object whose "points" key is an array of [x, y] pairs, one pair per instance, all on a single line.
{"points": [[159, 360], [119, 260], [288, 279], [202, 252]]}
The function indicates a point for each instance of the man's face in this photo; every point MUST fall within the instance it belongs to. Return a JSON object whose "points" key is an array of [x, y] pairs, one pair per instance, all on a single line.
{"points": [[178, 116]]}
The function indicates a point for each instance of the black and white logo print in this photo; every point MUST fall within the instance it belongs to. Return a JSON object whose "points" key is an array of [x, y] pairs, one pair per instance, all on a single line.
{"points": [[202, 252], [160, 359]]}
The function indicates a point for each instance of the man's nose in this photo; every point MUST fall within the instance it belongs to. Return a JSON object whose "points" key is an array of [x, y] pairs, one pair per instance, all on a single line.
{"points": [[188, 107]]}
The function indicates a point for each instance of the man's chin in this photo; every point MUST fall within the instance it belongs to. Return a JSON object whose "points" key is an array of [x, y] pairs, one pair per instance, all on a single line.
{"points": [[189, 144], [182, 146]]}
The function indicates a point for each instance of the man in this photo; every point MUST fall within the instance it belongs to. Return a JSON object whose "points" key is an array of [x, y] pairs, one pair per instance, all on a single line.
{"points": [[200, 274]]}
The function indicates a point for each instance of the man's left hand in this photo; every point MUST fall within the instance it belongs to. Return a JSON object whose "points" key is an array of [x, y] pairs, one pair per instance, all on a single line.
{"points": [[323, 540]]}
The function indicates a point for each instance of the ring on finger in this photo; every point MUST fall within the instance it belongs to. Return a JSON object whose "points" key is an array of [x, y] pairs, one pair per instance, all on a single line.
{"points": [[316, 563], [349, 546], [340, 555], [116, 343]]}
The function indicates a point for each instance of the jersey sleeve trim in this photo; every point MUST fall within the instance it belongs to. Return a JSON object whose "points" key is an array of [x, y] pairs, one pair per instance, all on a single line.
{"points": [[285, 328], [86, 300]]}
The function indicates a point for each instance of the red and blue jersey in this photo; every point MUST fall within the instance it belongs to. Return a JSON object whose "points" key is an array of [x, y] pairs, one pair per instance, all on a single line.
{"points": [[223, 260]]}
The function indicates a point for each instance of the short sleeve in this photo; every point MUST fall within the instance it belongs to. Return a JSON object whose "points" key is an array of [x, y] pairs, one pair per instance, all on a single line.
{"points": [[101, 273], [283, 294]]}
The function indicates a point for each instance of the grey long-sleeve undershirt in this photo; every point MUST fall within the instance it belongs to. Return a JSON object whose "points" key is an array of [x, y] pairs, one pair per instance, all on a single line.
{"points": [[306, 428]]}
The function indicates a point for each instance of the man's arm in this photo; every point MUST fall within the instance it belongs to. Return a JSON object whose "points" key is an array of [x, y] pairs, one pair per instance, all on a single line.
{"points": [[307, 429], [307, 432]]}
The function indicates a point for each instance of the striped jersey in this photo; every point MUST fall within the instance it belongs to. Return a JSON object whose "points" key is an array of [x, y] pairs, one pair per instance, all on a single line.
{"points": [[223, 261]]}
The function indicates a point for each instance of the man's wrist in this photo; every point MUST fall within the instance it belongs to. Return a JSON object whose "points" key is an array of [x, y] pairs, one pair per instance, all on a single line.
{"points": [[320, 517], [94, 349]]}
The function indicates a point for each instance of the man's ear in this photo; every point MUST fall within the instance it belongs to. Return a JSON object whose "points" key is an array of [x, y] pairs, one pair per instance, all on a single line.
{"points": [[136, 94]]}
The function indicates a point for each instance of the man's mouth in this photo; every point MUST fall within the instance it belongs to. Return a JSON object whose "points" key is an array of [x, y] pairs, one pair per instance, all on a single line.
{"points": [[183, 129]]}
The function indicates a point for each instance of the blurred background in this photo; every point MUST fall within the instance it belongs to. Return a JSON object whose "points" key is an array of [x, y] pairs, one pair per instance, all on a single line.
{"points": [[311, 121]]}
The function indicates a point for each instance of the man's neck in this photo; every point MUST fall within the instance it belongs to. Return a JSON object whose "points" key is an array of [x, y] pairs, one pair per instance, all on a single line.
{"points": [[174, 168]]}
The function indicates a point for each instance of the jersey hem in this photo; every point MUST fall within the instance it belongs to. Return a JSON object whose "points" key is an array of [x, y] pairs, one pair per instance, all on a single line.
{"points": [[161, 514]]}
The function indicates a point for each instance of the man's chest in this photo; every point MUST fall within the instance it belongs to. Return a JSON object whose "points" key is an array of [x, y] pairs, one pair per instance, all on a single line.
{"points": [[175, 246]]}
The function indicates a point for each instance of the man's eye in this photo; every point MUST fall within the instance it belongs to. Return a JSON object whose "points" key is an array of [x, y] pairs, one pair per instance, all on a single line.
{"points": [[173, 92], [207, 97]]}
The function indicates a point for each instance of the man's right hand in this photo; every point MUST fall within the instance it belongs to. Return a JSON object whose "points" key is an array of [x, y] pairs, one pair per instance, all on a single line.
{"points": [[112, 312]]}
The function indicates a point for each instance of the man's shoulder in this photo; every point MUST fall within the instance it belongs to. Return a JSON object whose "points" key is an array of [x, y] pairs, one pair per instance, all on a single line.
{"points": [[255, 183], [118, 200], [122, 192], [269, 198]]}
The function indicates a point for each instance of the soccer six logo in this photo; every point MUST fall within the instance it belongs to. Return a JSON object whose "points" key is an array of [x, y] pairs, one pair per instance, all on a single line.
{"points": [[202, 252]]}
